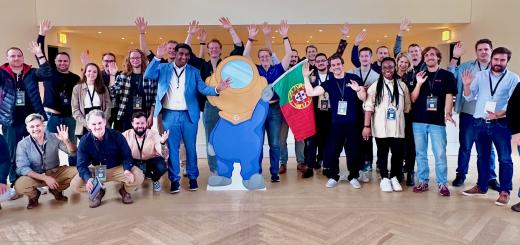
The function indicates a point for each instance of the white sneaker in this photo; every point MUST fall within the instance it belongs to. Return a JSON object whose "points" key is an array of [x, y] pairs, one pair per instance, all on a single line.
{"points": [[331, 183], [355, 183], [157, 187], [385, 185], [363, 176], [395, 184]]}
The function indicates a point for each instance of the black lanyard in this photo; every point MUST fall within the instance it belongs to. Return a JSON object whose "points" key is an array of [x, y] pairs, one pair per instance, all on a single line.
{"points": [[391, 95], [432, 81], [40, 151], [140, 147], [342, 88], [178, 75], [479, 68], [91, 96], [361, 74], [493, 91]]}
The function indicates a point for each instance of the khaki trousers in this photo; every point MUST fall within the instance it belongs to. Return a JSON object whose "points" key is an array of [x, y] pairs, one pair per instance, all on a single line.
{"points": [[26, 185], [113, 174]]}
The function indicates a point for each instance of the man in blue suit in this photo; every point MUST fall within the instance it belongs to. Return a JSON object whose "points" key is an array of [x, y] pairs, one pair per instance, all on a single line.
{"points": [[177, 101]]}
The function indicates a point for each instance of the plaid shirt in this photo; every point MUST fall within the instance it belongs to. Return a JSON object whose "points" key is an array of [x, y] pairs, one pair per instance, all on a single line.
{"points": [[121, 90]]}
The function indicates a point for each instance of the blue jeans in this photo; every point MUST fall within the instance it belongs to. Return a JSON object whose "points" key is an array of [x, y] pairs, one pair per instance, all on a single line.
{"points": [[437, 133], [496, 133], [210, 119], [272, 125], [180, 126], [466, 140], [299, 146], [13, 134], [54, 122]]}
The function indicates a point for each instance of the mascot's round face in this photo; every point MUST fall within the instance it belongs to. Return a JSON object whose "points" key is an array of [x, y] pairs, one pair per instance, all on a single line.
{"points": [[237, 102]]}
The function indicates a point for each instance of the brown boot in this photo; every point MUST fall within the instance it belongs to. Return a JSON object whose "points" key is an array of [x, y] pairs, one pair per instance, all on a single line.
{"points": [[126, 197], [33, 202], [301, 167], [283, 169], [96, 201], [516, 207], [58, 195]]}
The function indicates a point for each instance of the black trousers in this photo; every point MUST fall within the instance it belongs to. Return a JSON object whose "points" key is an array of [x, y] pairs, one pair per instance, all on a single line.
{"points": [[367, 150], [396, 146], [153, 168], [343, 136], [409, 151], [315, 145]]}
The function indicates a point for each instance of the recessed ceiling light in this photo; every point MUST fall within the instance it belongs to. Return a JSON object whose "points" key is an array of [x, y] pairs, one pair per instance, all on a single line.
{"points": [[310, 37], [275, 30], [273, 37], [122, 38], [99, 32], [308, 41], [377, 40], [364, 29], [385, 36], [348, 36], [131, 42], [160, 38], [320, 30]]}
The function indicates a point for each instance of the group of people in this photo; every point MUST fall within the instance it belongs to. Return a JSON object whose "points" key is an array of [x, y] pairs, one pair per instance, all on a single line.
{"points": [[401, 102]]}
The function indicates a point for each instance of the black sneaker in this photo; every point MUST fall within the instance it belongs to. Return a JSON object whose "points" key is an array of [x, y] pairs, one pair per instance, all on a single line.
{"points": [[318, 164], [458, 181], [175, 187], [275, 178], [410, 178], [308, 173], [193, 185], [494, 185]]}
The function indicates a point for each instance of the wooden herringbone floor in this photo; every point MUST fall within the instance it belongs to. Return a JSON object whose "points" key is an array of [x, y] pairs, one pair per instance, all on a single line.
{"points": [[295, 211]]}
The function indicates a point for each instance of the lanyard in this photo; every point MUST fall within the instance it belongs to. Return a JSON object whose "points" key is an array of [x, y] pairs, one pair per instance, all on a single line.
{"points": [[91, 96], [479, 68], [432, 81], [40, 151], [178, 75], [319, 78], [391, 95], [493, 91], [361, 75], [140, 147], [342, 88]]}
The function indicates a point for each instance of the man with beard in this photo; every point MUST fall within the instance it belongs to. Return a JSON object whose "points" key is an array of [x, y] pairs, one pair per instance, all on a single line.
{"points": [[491, 89], [483, 48], [58, 91], [145, 145], [107, 150]]}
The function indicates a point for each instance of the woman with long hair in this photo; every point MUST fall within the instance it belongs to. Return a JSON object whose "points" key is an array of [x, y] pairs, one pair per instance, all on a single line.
{"points": [[387, 101], [89, 94]]}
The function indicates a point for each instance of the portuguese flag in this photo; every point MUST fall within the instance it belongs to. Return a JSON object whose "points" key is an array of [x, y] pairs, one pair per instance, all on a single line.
{"points": [[296, 106]]}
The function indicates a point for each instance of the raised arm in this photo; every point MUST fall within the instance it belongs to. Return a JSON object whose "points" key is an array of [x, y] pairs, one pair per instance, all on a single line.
{"points": [[141, 25], [193, 28], [226, 24], [152, 70], [253, 31], [342, 45], [354, 58], [458, 51], [421, 78], [45, 26], [284, 31], [405, 26], [203, 35], [309, 90]]}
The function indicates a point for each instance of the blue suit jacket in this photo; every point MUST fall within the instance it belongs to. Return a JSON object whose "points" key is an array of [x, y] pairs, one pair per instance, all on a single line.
{"points": [[162, 72]]}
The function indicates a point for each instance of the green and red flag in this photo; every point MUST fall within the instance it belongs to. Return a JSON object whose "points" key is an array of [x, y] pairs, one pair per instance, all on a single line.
{"points": [[296, 106]]}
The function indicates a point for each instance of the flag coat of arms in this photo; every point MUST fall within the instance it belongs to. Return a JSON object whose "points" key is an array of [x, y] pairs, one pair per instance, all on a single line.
{"points": [[296, 106]]}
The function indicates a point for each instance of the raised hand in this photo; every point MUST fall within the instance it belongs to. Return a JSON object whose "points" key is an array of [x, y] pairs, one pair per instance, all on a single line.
{"points": [[345, 29], [141, 24], [458, 50], [161, 50], [306, 72], [112, 68], [226, 24], [164, 136], [36, 49], [266, 29], [193, 27], [284, 28], [405, 25], [223, 84], [360, 37], [85, 59], [253, 31], [203, 35], [421, 77], [45, 26], [354, 86], [467, 77], [62, 132]]}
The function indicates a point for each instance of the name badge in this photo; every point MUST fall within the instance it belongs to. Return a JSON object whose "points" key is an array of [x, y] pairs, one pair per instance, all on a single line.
{"points": [[101, 172], [64, 98], [20, 98], [342, 108], [324, 103], [431, 103], [490, 106], [391, 114], [138, 103]]}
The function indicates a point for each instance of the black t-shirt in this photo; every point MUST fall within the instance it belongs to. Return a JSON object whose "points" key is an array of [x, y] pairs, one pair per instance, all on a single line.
{"points": [[136, 90], [335, 87], [443, 82], [58, 92]]}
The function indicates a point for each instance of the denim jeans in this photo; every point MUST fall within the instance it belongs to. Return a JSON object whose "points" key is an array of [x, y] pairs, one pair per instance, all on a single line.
{"points": [[272, 125], [210, 119], [496, 133], [153, 167], [180, 126], [466, 140], [12, 135], [437, 133], [54, 122], [299, 146]]}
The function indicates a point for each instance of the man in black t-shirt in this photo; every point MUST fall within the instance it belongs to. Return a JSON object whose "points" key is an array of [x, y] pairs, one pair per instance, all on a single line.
{"points": [[346, 95], [433, 104]]}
